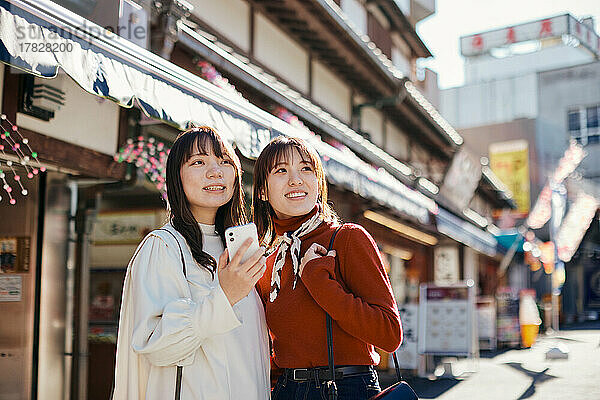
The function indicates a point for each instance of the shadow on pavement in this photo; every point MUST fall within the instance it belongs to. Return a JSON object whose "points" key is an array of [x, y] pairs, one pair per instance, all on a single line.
{"points": [[564, 339], [424, 388], [494, 353], [537, 377]]}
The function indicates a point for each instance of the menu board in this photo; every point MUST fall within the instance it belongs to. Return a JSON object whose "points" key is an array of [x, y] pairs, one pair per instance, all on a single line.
{"points": [[407, 354], [446, 316], [486, 322], [11, 288], [507, 318]]}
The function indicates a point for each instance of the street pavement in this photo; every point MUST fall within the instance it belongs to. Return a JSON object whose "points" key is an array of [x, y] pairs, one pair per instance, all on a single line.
{"points": [[523, 373]]}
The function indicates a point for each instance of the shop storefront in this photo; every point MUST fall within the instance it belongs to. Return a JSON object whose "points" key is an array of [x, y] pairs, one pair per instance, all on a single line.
{"points": [[581, 291], [69, 240]]}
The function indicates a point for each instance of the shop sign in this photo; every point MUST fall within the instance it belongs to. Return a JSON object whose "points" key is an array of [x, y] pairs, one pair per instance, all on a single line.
{"points": [[124, 227], [586, 35], [407, 354], [445, 265], [133, 23], [462, 179], [554, 27], [510, 162], [11, 288]]}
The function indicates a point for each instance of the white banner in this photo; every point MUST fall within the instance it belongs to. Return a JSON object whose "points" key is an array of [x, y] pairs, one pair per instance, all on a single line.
{"points": [[575, 224], [541, 212], [462, 179]]}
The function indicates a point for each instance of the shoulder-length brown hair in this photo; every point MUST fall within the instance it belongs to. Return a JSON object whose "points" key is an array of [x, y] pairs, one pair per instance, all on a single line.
{"points": [[278, 149], [201, 139]]}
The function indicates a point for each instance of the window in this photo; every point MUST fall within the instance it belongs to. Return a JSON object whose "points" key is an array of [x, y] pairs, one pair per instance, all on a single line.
{"points": [[378, 33], [583, 124], [592, 120], [574, 123], [593, 139]]}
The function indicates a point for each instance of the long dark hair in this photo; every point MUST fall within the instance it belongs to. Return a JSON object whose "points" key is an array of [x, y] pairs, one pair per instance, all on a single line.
{"points": [[180, 214], [277, 150]]}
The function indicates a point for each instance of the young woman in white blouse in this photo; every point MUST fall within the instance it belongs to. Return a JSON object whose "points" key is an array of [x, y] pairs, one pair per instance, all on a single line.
{"points": [[209, 319]]}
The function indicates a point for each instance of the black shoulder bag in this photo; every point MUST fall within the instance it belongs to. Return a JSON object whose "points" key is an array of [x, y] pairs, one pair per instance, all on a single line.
{"points": [[179, 367], [398, 391]]}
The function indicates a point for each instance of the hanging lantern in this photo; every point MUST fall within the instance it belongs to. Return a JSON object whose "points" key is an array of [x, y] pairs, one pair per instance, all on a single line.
{"points": [[533, 262], [547, 257]]}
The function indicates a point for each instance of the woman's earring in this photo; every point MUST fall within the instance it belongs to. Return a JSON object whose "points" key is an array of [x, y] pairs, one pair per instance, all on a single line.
{"points": [[264, 197]]}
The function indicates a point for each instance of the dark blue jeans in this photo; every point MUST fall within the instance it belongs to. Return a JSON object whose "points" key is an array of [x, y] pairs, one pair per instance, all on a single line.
{"points": [[357, 387]]}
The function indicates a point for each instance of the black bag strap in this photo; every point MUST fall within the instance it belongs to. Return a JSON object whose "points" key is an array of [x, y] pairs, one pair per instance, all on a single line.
{"points": [[332, 388], [179, 377], [397, 367]]}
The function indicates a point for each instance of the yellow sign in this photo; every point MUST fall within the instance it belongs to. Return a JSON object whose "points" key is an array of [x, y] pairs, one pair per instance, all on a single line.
{"points": [[510, 162]]}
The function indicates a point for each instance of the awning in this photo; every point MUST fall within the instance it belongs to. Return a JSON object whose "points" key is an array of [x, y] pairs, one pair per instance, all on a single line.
{"points": [[111, 67], [376, 184], [506, 239], [465, 232]]}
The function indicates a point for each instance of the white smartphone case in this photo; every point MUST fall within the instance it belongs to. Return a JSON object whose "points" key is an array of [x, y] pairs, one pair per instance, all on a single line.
{"points": [[235, 236]]}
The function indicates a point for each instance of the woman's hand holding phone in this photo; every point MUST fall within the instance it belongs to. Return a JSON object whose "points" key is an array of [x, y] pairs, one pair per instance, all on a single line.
{"points": [[238, 278]]}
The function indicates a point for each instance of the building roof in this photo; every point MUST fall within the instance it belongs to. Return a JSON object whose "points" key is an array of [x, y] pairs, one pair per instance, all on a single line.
{"points": [[402, 24]]}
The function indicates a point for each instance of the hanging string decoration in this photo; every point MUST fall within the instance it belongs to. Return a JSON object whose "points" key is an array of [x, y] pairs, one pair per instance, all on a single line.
{"points": [[148, 155], [12, 139], [209, 73], [285, 115], [378, 173]]}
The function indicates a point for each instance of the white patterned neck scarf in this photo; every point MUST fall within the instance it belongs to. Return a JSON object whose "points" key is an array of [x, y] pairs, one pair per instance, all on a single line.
{"points": [[291, 240]]}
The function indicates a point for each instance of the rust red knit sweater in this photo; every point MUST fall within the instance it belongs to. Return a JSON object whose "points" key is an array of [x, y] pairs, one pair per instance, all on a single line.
{"points": [[356, 293]]}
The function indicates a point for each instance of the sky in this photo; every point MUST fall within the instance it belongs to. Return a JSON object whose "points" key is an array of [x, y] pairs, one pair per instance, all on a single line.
{"points": [[455, 18]]}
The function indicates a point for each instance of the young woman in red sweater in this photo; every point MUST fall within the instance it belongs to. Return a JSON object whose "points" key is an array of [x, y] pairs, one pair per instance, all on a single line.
{"points": [[303, 281]]}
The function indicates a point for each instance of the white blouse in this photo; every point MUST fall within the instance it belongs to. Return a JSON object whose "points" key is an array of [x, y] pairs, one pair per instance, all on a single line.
{"points": [[167, 321]]}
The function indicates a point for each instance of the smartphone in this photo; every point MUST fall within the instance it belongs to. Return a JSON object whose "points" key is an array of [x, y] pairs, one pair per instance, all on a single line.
{"points": [[235, 236]]}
